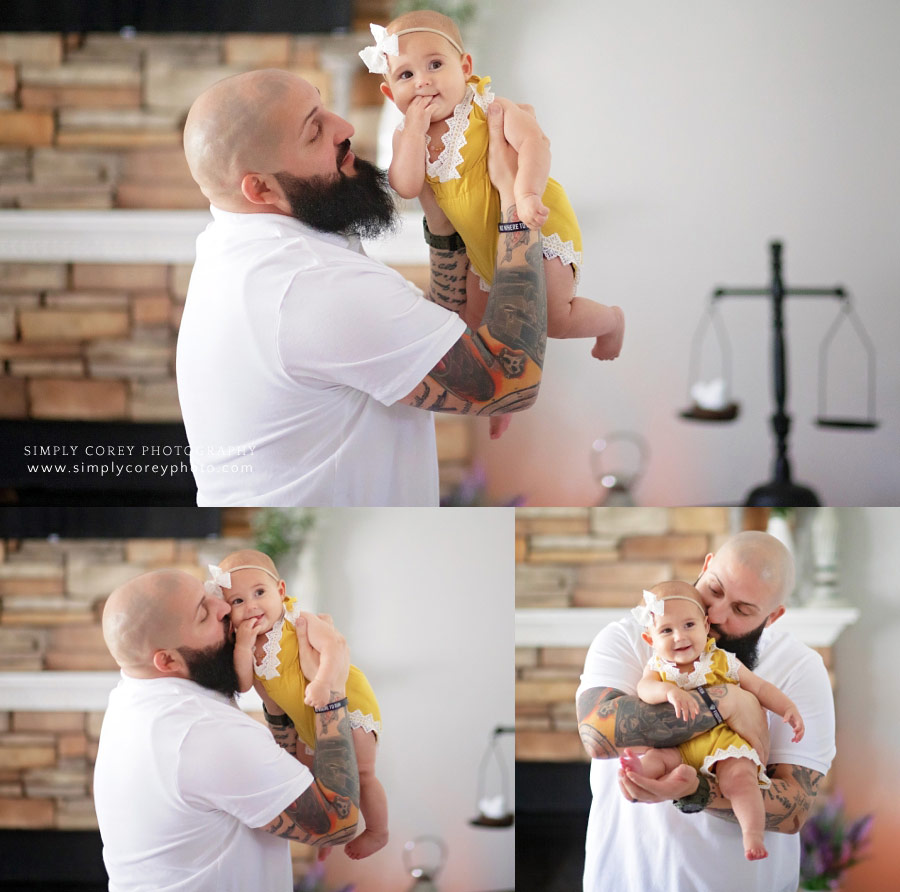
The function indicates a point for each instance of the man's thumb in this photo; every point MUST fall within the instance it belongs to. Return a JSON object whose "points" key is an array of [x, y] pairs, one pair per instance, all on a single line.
{"points": [[495, 115]]}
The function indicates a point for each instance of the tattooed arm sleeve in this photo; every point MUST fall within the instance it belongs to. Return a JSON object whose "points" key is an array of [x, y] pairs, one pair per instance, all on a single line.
{"points": [[787, 802], [609, 720], [447, 286], [326, 813], [497, 368]]}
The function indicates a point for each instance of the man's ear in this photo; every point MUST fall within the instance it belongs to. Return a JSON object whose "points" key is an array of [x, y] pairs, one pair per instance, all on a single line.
{"points": [[775, 614], [257, 189], [386, 91], [709, 557], [170, 662]]}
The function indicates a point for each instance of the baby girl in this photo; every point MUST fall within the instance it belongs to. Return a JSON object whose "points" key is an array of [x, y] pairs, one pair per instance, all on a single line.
{"points": [[443, 142], [684, 658], [267, 657]]}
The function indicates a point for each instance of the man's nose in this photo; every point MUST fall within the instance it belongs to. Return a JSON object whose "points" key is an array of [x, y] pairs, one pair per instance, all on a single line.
{"points": [[716, 613], [343, 130], [223, 608]]}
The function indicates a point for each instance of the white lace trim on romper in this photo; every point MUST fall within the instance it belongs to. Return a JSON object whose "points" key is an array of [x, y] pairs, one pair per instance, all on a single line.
{"points": [[268, 666], [446, 166]]}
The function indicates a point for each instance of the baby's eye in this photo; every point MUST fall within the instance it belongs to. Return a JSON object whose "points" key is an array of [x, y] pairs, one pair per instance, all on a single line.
{"points": [[434, 64], [236, 601], [404, 75]]}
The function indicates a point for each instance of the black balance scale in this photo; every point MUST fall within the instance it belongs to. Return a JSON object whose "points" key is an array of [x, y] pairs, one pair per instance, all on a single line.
{"points": [[782, 491]]}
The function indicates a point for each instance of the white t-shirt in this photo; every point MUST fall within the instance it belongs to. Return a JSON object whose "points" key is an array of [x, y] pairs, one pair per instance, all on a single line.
{"points": [[656, 848], [182, 778], [293, 350]]}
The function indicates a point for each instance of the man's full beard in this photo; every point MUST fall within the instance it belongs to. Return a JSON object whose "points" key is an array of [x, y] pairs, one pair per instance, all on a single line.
{"points": [[213, 667], [361, 204], [745, 647]]}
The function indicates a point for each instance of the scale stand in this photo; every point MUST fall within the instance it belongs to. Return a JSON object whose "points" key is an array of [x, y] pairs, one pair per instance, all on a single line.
{"points": [[782, 491]]}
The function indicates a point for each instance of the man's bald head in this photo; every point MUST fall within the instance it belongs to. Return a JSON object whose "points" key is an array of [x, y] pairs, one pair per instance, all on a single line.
{"points": [[236, 127], [764, 556], [145, 615]]}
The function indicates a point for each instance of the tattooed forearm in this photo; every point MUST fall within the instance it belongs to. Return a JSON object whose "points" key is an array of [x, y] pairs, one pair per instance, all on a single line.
{"points": [[498, 368], [286, 738], [608, 721], [327, 811], [787, 802], [448, 278]]}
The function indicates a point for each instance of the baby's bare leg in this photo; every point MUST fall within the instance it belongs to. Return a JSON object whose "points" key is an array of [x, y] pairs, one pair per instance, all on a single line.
{"points": [[653, 763], [569, 316], [738, 781], [372, 800]]}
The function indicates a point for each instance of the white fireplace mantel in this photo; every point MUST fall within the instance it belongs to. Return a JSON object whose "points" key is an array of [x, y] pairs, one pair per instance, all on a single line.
{"points": [[576, 627], [72, 691], [126, 236]]}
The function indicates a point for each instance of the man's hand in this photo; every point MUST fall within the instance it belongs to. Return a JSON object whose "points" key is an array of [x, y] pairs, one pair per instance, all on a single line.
{"points": [[742, 713], [680, 781], [498, 424], [503, 160]]}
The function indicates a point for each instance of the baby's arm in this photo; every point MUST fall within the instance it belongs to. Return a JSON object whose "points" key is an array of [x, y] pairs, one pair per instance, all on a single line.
{"points": [[407, 171], [652, 689], [244, 638], [318, 690], [525, 135], [771, 698]]}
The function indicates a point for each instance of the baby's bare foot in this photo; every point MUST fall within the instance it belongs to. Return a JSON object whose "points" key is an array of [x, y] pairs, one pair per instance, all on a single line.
{"points": [[367, 843], [754, 848], [630, 761]]}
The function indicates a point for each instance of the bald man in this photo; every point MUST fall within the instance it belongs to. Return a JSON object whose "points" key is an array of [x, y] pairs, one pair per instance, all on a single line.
{"points": [[694, 845], [192, 794], [307, 372]]}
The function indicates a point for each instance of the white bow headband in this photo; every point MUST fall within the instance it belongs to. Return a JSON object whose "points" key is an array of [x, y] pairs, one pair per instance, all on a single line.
{"points": [[386, 45], [220, 578], [654, 607]]}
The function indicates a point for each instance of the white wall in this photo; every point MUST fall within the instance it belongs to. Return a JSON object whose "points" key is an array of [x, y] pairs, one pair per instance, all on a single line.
{"points": [[867, 697], [425, 599], [689, 135]]}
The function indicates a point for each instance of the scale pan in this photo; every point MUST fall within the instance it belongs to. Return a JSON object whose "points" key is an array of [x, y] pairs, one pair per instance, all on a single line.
{"points": [[848, 423], [481, 821], [695, 413]]}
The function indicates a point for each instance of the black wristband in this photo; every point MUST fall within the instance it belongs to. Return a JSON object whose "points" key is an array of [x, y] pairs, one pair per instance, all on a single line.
{"points": [[336, 705], [277, 721], [698, 800], [443, 242], [701, 690], [516, 226]]}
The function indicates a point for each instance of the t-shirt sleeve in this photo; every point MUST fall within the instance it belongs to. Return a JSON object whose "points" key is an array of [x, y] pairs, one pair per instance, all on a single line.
{"points": [[237, 767], [612, 661], [808, 686], [364, 326]]}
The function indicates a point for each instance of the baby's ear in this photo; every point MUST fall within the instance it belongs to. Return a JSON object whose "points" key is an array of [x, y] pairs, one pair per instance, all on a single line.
{"points": [[466, 62], [386, 90], [646, 638]]}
